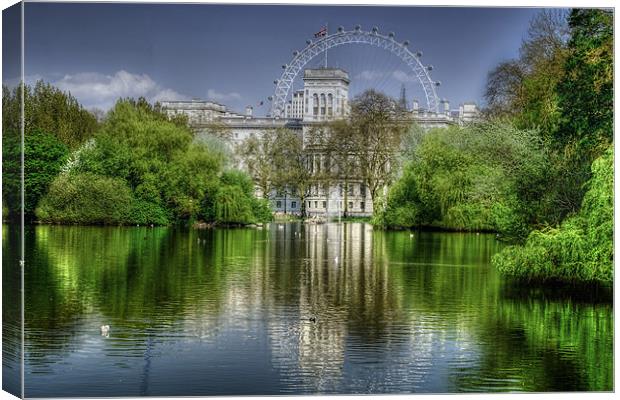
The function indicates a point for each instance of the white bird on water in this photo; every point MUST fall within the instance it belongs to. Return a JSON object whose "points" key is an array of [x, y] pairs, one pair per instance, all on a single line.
{"points": [[105, 330]]}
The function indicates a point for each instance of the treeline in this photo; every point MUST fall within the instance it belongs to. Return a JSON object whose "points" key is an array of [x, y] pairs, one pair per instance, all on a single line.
{"points": [[135, 167], [539, 168]]}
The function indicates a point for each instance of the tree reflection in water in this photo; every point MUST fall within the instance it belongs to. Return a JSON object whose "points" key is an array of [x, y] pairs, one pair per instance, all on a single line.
{"points": [[227, 311]]}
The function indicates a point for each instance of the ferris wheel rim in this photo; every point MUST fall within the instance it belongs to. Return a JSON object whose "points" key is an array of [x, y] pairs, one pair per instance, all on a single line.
{"points": [[356, 36]]}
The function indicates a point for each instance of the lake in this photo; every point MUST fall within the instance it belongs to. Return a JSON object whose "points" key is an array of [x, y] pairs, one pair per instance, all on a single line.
{"points": [[290, 309]]}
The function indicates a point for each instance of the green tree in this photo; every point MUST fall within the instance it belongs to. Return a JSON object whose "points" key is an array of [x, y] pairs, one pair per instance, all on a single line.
{"points": [[581, 249], [47, 109], [234, 202], [479, 177], [525, 89], [44, 156], [586, 93], [167, 172]]}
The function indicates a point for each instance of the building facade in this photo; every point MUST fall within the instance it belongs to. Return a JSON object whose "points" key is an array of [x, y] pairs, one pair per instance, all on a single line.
{"points": [[324, 98]]}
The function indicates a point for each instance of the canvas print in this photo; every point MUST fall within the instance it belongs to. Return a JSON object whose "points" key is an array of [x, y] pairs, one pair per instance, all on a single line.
{"points": [[231, 199]]}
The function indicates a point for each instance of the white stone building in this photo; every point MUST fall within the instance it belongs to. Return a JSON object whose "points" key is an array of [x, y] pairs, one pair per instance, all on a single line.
{"points": [[324, 97]]}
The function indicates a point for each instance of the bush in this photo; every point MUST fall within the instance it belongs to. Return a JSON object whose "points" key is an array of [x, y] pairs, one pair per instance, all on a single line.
{"points": [[86, 199], [581, 249]]}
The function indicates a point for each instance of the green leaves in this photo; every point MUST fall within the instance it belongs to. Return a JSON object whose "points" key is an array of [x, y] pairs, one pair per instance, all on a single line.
{"points": [[86, 199], [586, 93], [581, 249], [44, 156], [477, 177], [47, 109]]}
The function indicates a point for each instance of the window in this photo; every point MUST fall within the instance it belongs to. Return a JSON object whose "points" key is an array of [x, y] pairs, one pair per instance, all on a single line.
{"points": [[362, 190], [351, 187], [350, 205], [278, 204], [315, 104], [362, 206], [324, 204], [330, 104], [316, 204], [293, 204]]}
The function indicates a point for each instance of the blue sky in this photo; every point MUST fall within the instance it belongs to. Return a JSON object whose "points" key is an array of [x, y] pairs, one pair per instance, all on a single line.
{"points": [[233, 53]]}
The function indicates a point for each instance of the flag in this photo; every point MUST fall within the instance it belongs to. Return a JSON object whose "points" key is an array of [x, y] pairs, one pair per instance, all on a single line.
{"points": [[321, 33]]}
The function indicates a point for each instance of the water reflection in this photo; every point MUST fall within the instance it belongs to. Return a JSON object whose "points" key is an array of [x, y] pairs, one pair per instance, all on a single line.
{"points": [[293, 308]]}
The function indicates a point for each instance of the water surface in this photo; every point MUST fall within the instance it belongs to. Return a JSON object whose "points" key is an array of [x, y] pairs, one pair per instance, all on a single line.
{"points": [[228, 311]]}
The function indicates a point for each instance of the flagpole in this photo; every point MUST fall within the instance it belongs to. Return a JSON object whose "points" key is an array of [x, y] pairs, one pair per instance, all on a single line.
{"points": [[326, 33]]}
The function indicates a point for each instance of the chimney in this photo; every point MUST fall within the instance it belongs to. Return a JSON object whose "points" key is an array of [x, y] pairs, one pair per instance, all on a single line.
{"points": [[248, 111]]}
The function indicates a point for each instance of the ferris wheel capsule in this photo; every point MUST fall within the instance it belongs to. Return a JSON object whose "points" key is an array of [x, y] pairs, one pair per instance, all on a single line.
{"points": [[438, 83], [418, 54], [308, 41], [391, 35], [275, 82], [284, 66], [295, 53], [270, 98], [375, 29], [406, 43], [430, 67], [340, 28], [358, 27]]}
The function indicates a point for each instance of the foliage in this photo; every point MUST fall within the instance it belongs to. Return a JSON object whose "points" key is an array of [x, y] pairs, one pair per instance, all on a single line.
{"points": [[86, 199], [586, 93], [170, 176], [47, 109], [581, 249], [562, 83], [232, 206], [525, 89], [53, 123], [234, 202], [479, 177], [44, 155]]}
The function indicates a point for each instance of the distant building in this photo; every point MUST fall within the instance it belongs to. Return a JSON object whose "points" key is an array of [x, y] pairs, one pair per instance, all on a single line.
{"points": [[324, 97]]}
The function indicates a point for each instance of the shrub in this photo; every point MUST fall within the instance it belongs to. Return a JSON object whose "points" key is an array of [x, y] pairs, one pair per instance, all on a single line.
{"points": [[86, 199]]}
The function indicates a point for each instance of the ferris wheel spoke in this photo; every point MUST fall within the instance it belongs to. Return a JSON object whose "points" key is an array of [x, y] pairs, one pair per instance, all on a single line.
{"points": [[357, 36]]}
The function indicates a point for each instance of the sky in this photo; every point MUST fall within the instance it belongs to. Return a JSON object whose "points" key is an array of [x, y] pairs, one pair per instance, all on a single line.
{"points": [[232, 53]]}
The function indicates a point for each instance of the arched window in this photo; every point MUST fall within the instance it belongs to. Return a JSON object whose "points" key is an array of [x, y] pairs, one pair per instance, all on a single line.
{"points": [[322, 103]]}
